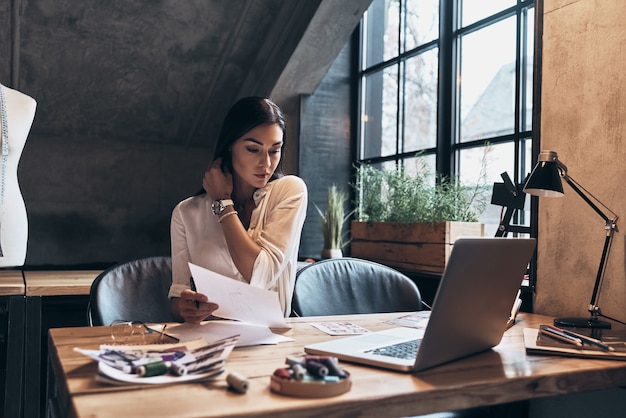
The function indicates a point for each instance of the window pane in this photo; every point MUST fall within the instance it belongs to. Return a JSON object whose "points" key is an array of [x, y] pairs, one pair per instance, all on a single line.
{"points": [[379, 121], [420, 101], [423, 165], [475, 10], [527, 164], [487, 82], [382, 28], [422, 22], [527, 97]]}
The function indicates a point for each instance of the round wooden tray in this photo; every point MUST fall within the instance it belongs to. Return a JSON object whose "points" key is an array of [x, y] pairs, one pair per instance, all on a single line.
{"points": [[309, 389]]}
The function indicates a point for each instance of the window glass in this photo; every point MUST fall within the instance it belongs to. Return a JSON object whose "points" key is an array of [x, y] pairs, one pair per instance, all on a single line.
{"points": [[487, 81], [527, 93], [420, 101], [381, 31], [421, 23], [422, 165], [379, 121], [475, 10]]}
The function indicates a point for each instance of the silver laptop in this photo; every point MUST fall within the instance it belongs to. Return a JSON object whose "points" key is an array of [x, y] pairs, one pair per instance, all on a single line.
{"points": [[469, 313]]}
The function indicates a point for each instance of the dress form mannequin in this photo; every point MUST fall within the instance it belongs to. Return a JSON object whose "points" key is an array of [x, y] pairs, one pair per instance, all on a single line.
{"points": [[17, 112]]}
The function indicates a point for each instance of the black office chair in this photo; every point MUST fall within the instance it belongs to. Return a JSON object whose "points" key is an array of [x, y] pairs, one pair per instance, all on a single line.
{"points": [[132, 291], [343, 286]]}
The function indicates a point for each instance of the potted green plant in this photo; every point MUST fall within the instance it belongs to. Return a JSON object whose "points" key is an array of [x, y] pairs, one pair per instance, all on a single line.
{"points": [[409, 221], [333, 219]]}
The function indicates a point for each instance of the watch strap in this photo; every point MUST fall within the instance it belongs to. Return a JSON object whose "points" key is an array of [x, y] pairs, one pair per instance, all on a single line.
{"points": [[219, 206], [227, 202]]}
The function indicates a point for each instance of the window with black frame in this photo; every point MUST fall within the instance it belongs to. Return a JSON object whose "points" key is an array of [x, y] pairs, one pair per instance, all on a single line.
{"points": [[449, 83]]}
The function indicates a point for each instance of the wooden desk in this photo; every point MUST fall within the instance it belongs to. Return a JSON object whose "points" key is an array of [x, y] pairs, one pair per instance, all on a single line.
{"points": [[39, 285], [505, 374], [12, 299], [11, 283], [59, 283]]}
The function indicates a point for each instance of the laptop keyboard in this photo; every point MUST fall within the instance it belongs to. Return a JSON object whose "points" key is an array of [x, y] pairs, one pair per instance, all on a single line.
{"points": [[403, 350]]}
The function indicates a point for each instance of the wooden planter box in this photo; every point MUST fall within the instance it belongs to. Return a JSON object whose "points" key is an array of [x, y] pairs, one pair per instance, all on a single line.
{"points": [[423, 247]]}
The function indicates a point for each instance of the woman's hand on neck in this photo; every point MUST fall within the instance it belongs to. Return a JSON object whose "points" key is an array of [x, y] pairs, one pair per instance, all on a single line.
{"points": [[217, 183]]}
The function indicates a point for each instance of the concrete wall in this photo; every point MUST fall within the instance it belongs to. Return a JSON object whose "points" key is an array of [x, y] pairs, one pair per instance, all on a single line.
{"points": [[103, 201], [326, 152], [583, 119], [131, 96]]}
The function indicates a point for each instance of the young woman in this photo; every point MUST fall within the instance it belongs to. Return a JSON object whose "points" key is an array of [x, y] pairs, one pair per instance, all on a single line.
{"points": [[246, 224]]}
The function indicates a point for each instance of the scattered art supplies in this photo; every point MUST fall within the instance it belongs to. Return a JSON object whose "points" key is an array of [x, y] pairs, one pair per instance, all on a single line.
{"points": [[310, 377], [589, 343], [154, 364]]}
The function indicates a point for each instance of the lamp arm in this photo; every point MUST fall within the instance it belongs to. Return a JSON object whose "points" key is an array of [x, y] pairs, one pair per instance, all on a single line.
{"points": [[585, 196], [594, 309]]}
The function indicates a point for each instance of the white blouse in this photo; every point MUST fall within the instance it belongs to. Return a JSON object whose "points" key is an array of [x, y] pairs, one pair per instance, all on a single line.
{"points": [[276, 225]]}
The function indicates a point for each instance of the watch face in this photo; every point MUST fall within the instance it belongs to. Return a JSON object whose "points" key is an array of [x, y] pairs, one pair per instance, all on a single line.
{"points": [[217, 207]]}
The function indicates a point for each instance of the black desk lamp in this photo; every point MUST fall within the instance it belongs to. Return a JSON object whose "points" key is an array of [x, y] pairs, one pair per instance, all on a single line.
{"points": [[545, 180]]}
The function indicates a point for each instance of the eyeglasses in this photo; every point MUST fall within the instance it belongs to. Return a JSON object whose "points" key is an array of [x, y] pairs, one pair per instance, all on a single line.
{"points": [[135, 332]]}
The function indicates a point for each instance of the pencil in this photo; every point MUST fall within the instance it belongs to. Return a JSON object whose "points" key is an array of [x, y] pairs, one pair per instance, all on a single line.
{"points": [[192, 285], [589, 340], [552, 333]]}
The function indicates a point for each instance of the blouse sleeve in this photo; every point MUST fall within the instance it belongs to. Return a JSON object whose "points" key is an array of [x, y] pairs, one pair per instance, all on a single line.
{"points": [[180, 254], [279, 233]]}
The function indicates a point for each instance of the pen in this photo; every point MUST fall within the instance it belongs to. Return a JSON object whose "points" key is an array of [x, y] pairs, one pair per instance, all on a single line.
{"points": [[588, 340], [192, 284], [561, 336]]}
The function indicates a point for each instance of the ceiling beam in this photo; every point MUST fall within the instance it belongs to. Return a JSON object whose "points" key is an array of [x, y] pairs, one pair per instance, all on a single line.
{"points": [[326, 34], [279, 46]]}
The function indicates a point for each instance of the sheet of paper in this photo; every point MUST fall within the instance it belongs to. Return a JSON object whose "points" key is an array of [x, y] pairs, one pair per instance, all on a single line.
{"points": [[340, 328], [249, 334], [417, 320], [239, 300]]}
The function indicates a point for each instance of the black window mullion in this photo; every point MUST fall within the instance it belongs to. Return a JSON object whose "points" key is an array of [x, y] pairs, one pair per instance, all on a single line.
{"points": [[446, 88], [400, 84]]}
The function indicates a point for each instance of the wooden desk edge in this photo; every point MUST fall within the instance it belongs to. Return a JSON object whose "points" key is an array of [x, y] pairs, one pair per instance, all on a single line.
{"points": [[11, 283], [59, 283]]}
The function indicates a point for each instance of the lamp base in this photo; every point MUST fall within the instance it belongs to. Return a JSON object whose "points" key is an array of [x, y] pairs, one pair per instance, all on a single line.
{"points": [[581, 323]]}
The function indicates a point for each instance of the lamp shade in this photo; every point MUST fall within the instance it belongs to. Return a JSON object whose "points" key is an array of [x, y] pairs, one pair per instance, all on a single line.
{"points": [[545, 179]]}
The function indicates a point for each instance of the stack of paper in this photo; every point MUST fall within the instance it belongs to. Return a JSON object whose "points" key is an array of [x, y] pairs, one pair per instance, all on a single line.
{"points": [[536, 343]]}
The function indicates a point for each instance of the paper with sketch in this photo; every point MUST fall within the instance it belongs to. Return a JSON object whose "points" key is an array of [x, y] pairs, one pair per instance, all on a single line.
{"points": [[249, 334], [238, 300]]}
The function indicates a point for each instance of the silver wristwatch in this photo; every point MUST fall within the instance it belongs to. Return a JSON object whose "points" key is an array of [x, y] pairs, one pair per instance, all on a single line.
{"points": [[218, 206]]}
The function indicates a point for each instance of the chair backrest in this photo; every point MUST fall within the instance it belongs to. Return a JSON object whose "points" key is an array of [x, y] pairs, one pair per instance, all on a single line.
{"points": [[132, 291], [343, 286]]}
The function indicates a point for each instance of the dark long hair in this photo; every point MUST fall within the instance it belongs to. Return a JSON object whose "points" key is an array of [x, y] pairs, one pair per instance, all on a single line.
{"points": [[245, 115]]}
